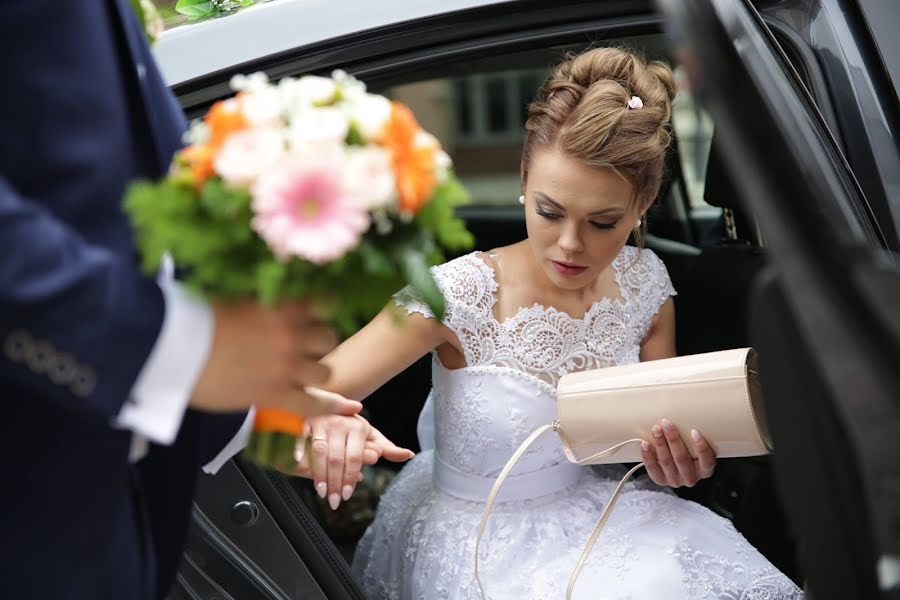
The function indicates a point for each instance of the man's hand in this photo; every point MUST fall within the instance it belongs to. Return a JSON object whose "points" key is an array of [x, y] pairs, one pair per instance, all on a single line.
{"points": [[341, 445], [267, 356]]}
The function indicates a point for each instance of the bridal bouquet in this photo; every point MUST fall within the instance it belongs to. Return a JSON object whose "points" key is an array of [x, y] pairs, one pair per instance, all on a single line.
{"points": [[308, 188]]}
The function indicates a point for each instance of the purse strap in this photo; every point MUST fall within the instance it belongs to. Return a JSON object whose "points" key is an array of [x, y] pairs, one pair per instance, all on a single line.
{"points": [[604, 516]]}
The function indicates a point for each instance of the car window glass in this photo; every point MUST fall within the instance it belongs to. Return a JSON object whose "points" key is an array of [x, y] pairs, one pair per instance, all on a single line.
{"points": [[694, 127], [478, 111]]}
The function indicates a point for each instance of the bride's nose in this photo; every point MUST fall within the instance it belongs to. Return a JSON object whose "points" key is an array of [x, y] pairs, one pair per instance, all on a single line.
{"points": [[570, 239]]}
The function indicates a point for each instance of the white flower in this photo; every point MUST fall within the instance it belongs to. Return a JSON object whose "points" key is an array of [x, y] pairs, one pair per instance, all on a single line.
{"points": [[424, 139], [317, 127], [197, 134], [249, 83], [246, 154], [443, 163], [153, 23], [298, 95], [369, 177], [262, 106], [370, 113], [351, 87]]}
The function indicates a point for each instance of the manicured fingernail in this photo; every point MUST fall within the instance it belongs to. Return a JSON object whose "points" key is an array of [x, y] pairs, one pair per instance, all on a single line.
{"points": [[334, 501], [347, 492], [322, 489], [657, 431], [667, 425], [645, 446], [299, 451], [695, 435]]}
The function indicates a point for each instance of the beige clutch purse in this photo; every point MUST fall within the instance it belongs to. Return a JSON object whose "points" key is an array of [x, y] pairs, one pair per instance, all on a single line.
{"points": [[605, 414]]}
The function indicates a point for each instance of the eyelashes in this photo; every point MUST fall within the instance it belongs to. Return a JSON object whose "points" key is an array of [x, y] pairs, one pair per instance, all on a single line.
{"points": [[555, 217]]}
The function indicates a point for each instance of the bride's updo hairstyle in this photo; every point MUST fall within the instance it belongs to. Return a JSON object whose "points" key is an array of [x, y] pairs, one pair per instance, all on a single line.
{"points": [[583, 110]]}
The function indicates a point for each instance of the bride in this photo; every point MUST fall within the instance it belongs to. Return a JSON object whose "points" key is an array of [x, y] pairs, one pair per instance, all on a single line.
{"points": [[572, 296]]}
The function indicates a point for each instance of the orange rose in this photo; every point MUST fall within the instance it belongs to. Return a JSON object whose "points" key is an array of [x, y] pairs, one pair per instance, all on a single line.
{"points": [[223, 119], [414, 167]]}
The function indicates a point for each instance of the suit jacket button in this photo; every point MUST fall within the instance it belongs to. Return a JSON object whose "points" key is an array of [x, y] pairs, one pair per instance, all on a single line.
{"points": [[18, 345], [41, 355], [62, 371], [85, 382]]}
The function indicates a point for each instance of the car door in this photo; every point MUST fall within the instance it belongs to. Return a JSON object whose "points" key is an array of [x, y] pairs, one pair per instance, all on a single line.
{"points": [[258, 534], [824, 315]]}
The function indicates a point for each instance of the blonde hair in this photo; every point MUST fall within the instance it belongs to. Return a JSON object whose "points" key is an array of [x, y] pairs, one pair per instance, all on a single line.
{"points": [[582, 110]]}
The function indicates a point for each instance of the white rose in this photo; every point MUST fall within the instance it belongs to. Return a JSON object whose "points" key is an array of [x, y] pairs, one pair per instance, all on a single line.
{"points": [[262, 107], [443, 164], [249, 83], [369, 177], [318, 127], [370, 114], [197, 134], [424, 139], [298, 95], [350, 86], [247, 153]]}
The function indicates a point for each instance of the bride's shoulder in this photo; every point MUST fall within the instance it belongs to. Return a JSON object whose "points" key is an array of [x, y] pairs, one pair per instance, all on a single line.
{"points": [[639, 261], [462, 270]]}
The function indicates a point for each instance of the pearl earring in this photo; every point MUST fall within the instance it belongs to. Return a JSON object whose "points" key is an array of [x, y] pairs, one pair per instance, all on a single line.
{"points": [[522, 200], [638, 224]]}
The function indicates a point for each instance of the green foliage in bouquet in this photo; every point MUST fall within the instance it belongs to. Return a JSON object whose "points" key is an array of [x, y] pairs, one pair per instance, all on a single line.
{"points": [[209, 236]]}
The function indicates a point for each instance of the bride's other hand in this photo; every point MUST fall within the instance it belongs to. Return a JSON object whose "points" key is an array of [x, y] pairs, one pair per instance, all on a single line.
{"points": [[340, 447], [669, 462]]}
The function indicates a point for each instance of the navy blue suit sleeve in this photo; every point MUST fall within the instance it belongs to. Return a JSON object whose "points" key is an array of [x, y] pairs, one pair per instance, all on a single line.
{"points": [[77, 320]]}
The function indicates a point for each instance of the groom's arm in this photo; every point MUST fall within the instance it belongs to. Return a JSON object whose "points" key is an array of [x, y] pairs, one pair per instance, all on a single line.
{"points": [[85, 331]]}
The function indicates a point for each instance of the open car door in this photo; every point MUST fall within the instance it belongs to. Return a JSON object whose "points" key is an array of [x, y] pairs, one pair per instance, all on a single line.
{"points": [[825, 316]]}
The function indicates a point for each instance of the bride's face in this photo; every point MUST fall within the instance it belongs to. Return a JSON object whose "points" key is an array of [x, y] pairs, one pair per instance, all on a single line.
{"points": [[578, 217]]}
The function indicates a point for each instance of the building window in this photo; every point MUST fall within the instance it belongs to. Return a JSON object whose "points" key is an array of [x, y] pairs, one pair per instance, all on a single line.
{"points": [[491, 108]]}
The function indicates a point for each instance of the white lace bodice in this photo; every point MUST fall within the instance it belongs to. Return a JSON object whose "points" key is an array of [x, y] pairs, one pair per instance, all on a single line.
{"points": [[655, 546], [543, 341]]}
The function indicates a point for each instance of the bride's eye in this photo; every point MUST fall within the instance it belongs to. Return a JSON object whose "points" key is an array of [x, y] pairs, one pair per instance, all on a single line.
{"points": [[604, 225], [547, 215]]}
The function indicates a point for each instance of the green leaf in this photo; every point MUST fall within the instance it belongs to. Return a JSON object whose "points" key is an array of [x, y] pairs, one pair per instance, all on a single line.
{"points": [[222, 200], [195, 9], [270, 276], [354, 137], [415, 270], [375, 262], [438, 215]]}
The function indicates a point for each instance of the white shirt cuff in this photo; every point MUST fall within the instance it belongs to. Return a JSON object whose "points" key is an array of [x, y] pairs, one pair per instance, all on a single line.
{"points": [[161, 393], [237, 443]]}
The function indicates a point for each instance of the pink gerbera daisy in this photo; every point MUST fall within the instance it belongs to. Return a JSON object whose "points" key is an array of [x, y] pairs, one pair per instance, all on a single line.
{"points": [[301, 209]]}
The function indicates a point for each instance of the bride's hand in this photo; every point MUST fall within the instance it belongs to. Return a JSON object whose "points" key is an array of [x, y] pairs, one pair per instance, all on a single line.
{"points": [[340, 447], [669, 462]]}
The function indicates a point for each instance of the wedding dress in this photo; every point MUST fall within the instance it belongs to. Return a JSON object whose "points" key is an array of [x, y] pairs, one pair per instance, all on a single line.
{"points": [[656, 546]]}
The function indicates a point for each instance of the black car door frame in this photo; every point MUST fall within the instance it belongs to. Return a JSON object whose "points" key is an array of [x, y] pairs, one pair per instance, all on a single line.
{"points": [[832, 298]]}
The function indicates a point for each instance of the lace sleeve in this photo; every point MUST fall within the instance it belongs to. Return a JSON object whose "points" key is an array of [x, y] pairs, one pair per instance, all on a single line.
{"points": [[654, 289], [410, 300], [659, 285], [468, 285]]}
